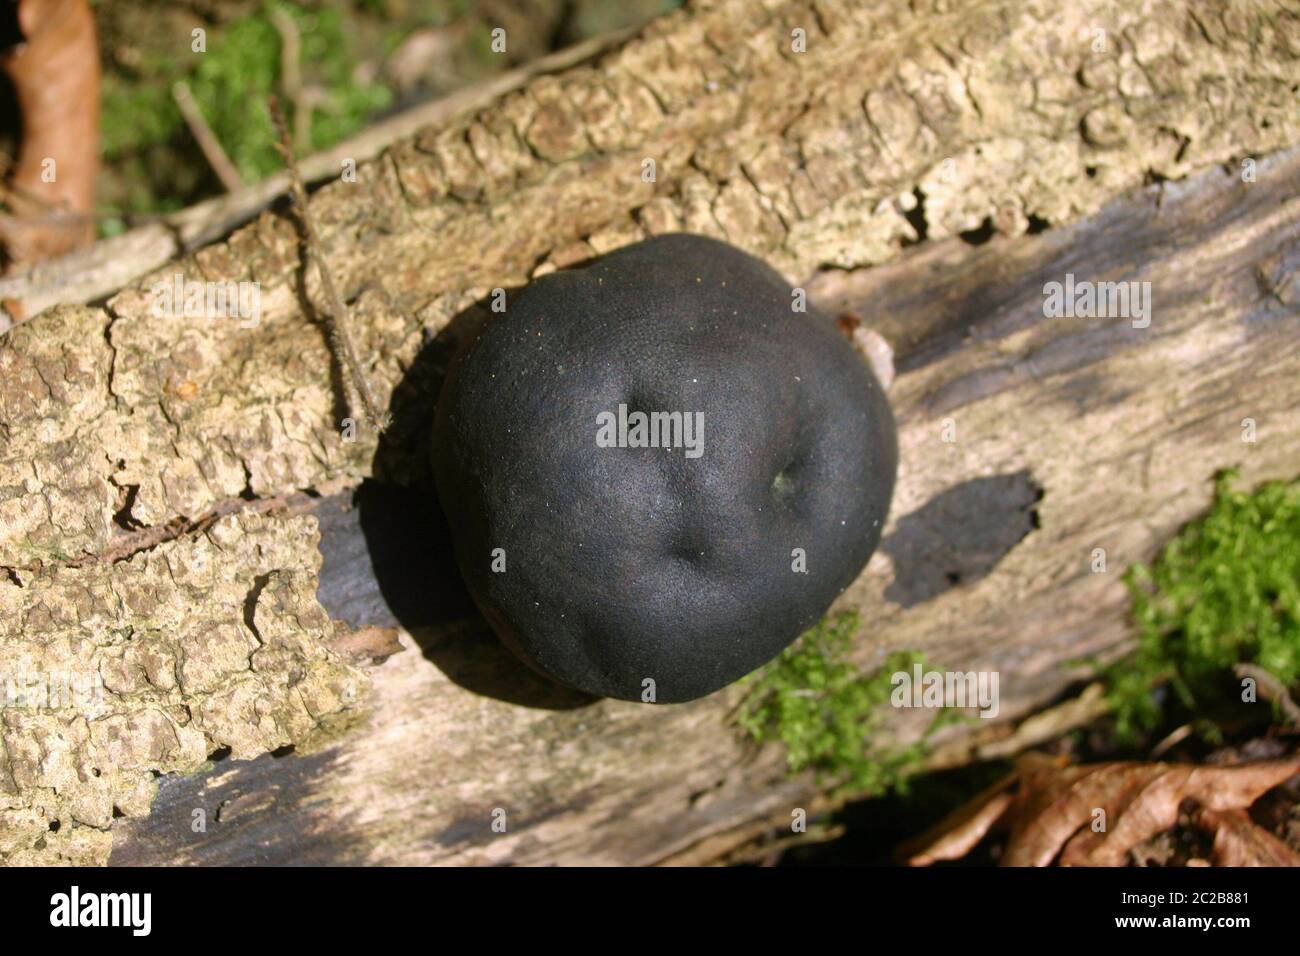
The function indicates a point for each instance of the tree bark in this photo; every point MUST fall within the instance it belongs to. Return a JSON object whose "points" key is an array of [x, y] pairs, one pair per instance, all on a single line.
{"points": [[158, 473]]}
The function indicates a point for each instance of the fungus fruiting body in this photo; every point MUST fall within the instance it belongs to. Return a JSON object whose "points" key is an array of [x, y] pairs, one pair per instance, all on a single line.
{"points": [[658, 470]]}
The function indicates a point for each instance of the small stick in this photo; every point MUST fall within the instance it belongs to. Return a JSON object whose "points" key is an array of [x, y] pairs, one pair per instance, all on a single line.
{"points": [[207, 140], [1272, 689], [291, 74], [336, 313]]}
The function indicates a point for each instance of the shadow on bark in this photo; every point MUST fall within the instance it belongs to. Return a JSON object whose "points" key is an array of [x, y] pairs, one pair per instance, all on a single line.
{"points": [[387, 553]]}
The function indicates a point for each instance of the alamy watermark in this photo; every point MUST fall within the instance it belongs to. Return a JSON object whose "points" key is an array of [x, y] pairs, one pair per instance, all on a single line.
{"points": [[651, 430], [192, 299], [51, 690], [1100, 300], [75, 908], [937, 689]]}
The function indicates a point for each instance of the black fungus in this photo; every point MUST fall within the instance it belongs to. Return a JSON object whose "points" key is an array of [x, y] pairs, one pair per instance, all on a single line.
{"points": [[660, 573]]}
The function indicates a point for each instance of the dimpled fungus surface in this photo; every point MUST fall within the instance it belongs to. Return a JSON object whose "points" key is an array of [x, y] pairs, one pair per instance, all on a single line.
{"points": [[622, 565]]}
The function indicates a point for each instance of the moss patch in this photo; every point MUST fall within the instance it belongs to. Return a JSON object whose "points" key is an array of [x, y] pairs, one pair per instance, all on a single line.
{"points": [[1225, 591], [156, 166], [828, 714], [232, 82]]}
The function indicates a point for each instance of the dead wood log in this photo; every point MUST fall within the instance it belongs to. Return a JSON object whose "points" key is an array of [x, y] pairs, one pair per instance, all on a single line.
{"points": [[141, 454]]}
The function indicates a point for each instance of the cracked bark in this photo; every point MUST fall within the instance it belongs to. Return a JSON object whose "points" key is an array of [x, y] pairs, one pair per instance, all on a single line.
{"points": [[118, 672], [1003, 114]]}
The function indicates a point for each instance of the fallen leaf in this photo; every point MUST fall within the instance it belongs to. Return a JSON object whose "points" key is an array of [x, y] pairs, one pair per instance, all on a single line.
{"points": [[1038, 835], [1239, 841], [1095, 815], [54, 73], [957, 834]]}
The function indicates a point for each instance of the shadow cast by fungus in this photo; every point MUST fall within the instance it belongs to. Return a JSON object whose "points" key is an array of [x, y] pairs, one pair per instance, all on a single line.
{"points": [[407, 545]]}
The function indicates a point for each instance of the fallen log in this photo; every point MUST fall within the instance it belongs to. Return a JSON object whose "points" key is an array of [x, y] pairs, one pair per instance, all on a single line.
{"points": [[933, 169]]}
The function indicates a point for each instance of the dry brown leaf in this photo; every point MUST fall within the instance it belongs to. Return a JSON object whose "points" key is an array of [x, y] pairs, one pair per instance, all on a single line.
{"points": [[1053, 810], [1239, 841], [55, 77], [959, 832]]}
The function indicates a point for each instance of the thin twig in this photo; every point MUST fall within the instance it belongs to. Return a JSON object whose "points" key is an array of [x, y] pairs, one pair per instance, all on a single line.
{"points": [[1172, 740], [336, 313], [291, 74], [111, 264], [207, 140], [1271, 689]]}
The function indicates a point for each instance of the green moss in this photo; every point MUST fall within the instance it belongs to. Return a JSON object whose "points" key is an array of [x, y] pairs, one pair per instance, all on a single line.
{"points": [[1225, 591], [828, 714], [242, 68], [137, 115], [231, 81]]}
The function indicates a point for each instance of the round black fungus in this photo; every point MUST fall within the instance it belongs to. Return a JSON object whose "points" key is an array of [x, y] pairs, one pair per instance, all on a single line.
{"points": [[657, 472]]}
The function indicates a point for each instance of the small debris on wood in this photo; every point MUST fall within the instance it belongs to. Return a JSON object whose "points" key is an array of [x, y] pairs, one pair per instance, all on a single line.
{"points": [[871, 345], [366, 645]]}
